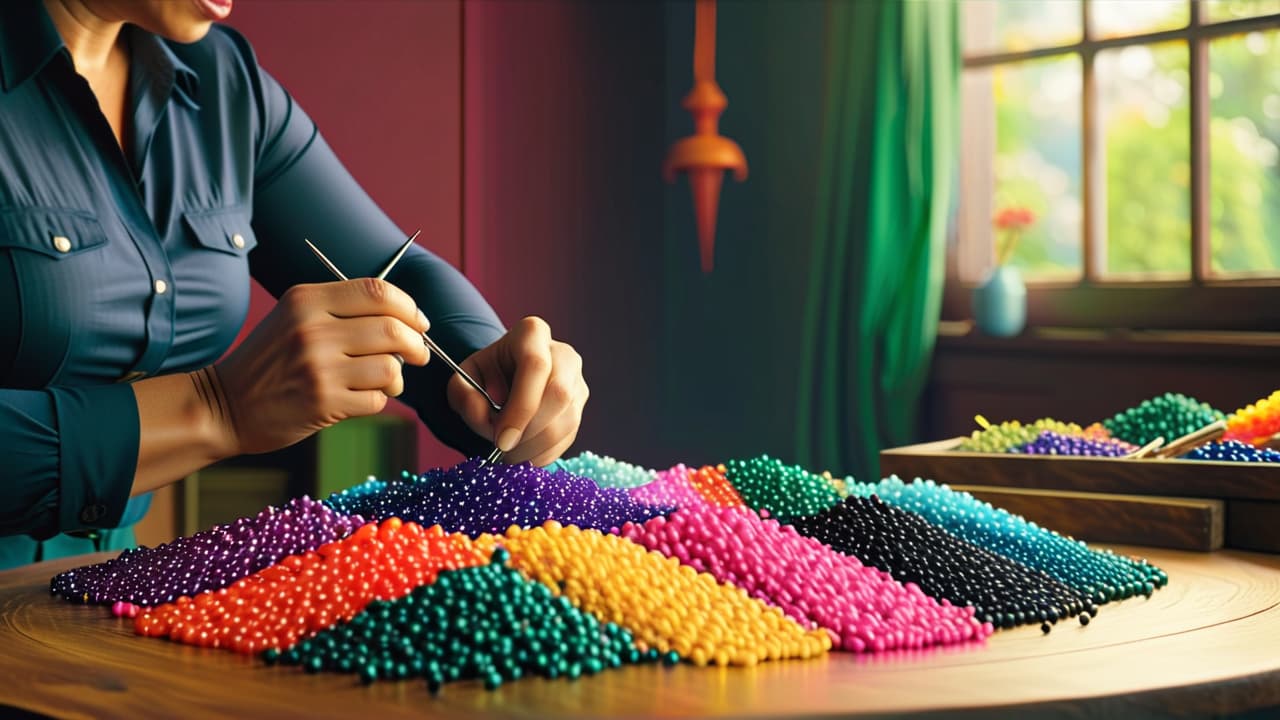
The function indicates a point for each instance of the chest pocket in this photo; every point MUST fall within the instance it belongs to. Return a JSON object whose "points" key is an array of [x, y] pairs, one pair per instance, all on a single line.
{"points": [[49, 261], [226, 230]]}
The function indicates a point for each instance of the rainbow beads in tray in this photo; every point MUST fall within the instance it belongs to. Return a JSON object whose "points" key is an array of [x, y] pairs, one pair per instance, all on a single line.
{"points": [[494, 573]]}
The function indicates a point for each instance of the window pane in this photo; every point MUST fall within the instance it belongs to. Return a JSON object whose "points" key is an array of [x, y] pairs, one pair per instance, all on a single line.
{"points": [[1244, 131], [1022, 150], [1144, 110], [1005, 25], [1113, 18], [1218, 10]]}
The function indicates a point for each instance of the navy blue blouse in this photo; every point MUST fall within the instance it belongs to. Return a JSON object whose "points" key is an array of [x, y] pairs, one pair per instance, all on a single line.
{"points": [[118, 266]]}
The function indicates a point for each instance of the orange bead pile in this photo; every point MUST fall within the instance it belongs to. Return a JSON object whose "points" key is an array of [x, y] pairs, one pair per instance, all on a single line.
{"points": [[275, 607], [1257, 423], [666, 605], [711, 484]]}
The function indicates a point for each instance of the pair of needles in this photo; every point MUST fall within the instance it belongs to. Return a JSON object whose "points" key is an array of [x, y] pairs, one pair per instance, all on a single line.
{"points": [[496, 454]]}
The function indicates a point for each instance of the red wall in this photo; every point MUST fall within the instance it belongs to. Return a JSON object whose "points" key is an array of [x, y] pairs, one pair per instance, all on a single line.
{"points": [[382, 79]]}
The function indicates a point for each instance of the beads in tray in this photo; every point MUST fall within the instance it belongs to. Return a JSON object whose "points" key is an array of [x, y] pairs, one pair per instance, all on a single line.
{"points": [[1169, 416], [1257, 423]]}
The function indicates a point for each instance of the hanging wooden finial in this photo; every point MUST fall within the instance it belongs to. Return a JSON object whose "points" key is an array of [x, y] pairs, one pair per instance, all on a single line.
{"points": [[705, 155]]}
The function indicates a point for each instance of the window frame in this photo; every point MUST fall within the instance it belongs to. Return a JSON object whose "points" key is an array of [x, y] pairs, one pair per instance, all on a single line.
{"points": [[1094, 300]]}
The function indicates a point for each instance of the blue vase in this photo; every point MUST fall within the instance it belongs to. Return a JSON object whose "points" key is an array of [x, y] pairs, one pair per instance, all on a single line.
{"points": [[1000, 304]]}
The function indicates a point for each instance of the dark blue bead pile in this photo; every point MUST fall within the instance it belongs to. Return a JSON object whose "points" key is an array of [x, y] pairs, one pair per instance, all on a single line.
{"points": [[473, 498], [1233, 451], [1052, 443], [1101, 575], [908, 547]]}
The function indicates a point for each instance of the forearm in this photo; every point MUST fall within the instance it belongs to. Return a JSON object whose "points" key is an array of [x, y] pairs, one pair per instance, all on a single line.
{"points": [[183, 426]]}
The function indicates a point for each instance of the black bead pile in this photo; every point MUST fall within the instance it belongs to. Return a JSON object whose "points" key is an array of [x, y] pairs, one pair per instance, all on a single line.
{"points": [[488, 623], [474, 497], [208, 560], [908, 547]]}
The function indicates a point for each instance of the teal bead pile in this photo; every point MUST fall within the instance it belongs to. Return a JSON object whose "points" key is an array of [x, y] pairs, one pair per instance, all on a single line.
{"points": [[1101, 575], [1169, 416], [487, 623], [1005, 436], [607, 471], [785, 491]]}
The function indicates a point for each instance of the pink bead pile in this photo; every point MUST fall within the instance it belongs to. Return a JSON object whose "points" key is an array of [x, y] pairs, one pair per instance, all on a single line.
{"points": [[671, 488], [862, 608]]}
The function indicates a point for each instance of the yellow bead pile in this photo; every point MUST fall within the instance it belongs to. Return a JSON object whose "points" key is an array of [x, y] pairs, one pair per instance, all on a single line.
{"points": [[999, 438], [665, 605]]}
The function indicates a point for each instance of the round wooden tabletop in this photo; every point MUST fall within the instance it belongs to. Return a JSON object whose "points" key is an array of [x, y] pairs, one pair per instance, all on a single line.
{"points": [[1208, 644]]}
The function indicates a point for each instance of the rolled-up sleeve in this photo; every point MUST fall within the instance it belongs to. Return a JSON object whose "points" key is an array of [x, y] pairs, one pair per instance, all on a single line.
{"points": [[302, 190], [69, 456]]}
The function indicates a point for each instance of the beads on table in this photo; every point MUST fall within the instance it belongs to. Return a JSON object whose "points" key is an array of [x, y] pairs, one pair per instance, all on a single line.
{"points": [[785, 491], [1012, 433], [1169, 416], [305, 593], [1257, 423], [712, 485], [607, 471], [1233, 451], [665, 605], [474, 497], [486, 622], [912, 550], [671, 488], [861, 608], [209, 559], [1052, 443], [1100, 575]]}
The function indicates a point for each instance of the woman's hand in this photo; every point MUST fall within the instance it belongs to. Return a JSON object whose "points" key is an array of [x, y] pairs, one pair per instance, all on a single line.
{"points": [[541, 381], [325, 353]]}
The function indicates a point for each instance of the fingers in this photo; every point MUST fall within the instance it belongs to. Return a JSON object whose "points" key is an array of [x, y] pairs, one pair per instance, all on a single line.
{"points": [[372, 297], [557, 437], [562, 389], [374, 372], [471, 405], [530, 353], [375, 335]]}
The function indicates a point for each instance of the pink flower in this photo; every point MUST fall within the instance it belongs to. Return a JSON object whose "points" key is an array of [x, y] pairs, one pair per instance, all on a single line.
{"points": [[1014, 218]]}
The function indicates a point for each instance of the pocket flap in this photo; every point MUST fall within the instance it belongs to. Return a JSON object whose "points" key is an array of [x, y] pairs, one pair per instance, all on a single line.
{"points": [[225, 229], [55, 232]]}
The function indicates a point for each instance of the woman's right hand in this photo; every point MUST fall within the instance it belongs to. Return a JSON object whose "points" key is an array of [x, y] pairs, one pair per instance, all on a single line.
{"points": [[325, 353]]}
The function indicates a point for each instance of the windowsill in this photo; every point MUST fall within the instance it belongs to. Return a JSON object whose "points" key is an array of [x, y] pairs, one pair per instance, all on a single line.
{"points": [[961, 335]]}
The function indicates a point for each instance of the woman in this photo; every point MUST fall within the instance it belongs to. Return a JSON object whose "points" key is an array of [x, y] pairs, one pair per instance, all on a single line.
{"points": [[148, 167]]}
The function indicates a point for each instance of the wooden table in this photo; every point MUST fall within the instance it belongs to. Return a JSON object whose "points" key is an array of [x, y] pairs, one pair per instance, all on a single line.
{"points": [[1207, 644]]}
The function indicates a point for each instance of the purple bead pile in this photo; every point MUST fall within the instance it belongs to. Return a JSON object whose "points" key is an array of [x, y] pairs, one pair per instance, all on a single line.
{"points": [[1052, 443], [473, 498], [208, 560]]}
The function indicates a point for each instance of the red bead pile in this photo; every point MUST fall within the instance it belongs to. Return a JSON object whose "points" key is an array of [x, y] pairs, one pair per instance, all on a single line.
{"points": [[862, 608], [303, 594]]}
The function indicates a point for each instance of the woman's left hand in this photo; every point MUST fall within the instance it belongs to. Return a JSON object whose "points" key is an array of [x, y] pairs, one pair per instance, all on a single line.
{"points": [[537, 381]]}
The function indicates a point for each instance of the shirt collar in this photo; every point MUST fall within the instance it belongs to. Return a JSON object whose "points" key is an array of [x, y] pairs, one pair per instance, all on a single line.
{"points": [[29, 40]]}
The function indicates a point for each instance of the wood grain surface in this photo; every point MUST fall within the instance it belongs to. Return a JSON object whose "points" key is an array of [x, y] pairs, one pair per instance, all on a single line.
{"points": [[1205, 645], [1167, 522]]}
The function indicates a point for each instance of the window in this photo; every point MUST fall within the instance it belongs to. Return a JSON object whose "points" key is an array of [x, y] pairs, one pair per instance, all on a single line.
{"points": [[1144, 138]]}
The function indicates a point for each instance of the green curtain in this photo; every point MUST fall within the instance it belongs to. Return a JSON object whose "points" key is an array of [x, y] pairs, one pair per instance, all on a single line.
{"points": [[884, 196]]}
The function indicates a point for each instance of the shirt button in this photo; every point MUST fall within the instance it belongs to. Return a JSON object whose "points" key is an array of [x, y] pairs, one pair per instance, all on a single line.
{"points": [[92, 513], [161, 287], [238, 241], [61, 243]]}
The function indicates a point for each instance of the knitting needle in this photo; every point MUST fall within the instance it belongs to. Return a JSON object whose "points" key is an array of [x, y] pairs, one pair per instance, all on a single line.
{"points": [[431, 344], [399, 254]]}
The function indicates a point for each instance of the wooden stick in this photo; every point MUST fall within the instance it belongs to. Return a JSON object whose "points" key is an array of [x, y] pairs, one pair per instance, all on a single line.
{"points": [[1145, 449], [1193, 440]]}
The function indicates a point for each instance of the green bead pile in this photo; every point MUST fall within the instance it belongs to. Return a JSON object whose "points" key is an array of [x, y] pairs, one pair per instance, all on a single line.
{"points": [[786, 491], [488, 623], [1169, 416], [1010, 434], [607, 471]]}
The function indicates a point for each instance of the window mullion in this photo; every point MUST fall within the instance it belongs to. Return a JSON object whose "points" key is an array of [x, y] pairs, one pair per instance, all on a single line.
{"points": [[1198, 72], [1093, 161]]}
